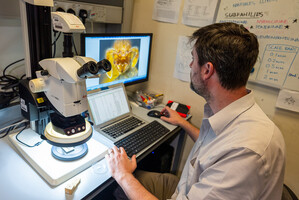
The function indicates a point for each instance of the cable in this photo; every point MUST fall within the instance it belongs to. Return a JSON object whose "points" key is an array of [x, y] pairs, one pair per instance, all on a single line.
{"points": [[8, 78], [54, 43], [6, 133], [11, 65], [23, 76], [11, 127], [54, 51], [74, 45], [17, 138], [9, 82], [56, 38]]}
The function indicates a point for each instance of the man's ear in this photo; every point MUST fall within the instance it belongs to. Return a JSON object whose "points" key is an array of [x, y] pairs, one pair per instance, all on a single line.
{"points": [[207, 70]]}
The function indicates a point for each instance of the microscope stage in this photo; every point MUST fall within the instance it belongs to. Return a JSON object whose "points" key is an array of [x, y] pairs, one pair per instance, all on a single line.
{"points": [[52, 170]]}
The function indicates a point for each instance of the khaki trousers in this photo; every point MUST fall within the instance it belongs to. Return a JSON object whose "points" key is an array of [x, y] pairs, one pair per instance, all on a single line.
{"points": [[160, 185]]}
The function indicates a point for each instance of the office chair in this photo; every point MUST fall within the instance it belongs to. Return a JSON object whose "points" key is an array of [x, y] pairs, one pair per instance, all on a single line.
{"points": [[288, 194]]}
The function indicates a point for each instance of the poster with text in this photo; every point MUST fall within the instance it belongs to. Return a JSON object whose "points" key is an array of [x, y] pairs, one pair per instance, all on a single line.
{"points": [[275, 22]]}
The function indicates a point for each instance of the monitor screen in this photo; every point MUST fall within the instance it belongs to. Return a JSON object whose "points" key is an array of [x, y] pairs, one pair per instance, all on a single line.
{"points": [[128, 53]]}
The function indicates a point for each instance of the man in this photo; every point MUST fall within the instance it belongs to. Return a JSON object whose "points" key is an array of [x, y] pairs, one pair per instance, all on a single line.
{"points": [[238, 152]]}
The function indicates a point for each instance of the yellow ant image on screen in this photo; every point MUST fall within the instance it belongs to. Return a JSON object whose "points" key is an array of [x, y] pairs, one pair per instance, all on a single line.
{"points": [[123, 57]]}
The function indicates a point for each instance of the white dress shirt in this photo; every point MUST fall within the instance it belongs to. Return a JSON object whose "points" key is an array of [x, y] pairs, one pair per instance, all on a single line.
{"points": [[239, 155]]}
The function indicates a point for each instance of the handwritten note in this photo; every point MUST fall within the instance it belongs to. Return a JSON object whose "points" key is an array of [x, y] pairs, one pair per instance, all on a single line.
{"points": [[166, 10], [288, 100], [276, 62], [275, 22], [199, 12]]}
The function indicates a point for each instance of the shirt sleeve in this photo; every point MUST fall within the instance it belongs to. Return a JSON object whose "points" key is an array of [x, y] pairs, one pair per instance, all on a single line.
{"points": [[238, 174]]}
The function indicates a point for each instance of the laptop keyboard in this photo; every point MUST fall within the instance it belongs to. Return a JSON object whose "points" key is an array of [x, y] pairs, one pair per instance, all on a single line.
{"points": [[142, 138], [122, 127]]}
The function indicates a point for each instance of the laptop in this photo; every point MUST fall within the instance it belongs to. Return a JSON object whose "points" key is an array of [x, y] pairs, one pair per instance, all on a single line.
{"points": [[111, 112]]}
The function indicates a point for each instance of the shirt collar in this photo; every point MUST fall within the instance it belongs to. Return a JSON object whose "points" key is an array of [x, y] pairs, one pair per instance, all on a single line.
{"points": [[223, 117]]}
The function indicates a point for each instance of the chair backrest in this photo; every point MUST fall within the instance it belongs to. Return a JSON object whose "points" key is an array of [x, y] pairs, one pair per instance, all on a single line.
{"points": [[288, 194]]}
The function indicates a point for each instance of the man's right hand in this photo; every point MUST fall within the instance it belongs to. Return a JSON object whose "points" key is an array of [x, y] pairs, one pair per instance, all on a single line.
{"points": [[171, 116]]}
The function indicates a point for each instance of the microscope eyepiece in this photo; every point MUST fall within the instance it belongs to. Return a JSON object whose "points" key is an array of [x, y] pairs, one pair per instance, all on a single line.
{"points": [[104, 66], [88, 69], [91, 68]]}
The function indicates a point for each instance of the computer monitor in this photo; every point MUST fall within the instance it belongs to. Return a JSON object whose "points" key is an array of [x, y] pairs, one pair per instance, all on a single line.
{"points": [[128, 53]]}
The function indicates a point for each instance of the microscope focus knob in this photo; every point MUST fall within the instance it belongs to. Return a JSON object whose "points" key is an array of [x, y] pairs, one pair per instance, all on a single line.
{"points": [[44, 72], [37, 85]]}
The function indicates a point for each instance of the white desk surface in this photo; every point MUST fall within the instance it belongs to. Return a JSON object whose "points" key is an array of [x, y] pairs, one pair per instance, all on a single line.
{"points": [[18, 180]]}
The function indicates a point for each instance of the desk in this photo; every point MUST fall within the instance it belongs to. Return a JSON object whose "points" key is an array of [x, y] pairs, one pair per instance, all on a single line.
{"points": [[20, 181]]}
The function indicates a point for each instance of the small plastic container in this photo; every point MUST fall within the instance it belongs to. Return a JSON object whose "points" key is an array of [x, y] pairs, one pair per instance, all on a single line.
{"points": [[147, 100]]}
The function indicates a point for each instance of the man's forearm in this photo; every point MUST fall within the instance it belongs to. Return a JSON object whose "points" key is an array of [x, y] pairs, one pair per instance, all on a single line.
{"points": [[133, 188], [191, 130]]}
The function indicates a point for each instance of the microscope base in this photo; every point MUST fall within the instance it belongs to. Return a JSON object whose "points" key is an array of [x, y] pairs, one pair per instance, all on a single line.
{"points": [[49, 168]]}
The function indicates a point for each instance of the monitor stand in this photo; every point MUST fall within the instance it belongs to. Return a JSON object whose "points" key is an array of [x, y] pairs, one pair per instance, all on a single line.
{"points": [[49, 168]]}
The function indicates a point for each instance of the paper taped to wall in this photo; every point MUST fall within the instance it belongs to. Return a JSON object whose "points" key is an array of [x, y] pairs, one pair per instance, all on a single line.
{"points": [[183, 59], [166, 11], [199, 13], [288, 99]]}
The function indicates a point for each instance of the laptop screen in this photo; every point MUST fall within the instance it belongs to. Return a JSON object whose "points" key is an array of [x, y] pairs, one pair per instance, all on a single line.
{"points": [[108, 104]]}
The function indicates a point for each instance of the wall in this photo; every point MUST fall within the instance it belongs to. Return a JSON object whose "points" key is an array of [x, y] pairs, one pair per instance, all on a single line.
{"points": [[161, 77], [161, 80], [11, 45]]}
